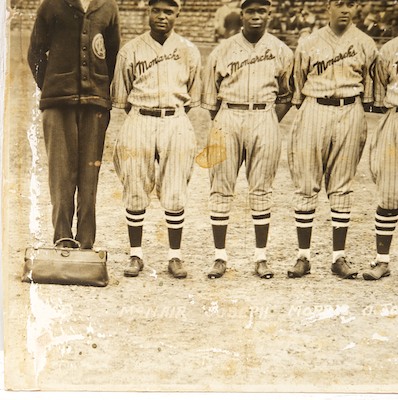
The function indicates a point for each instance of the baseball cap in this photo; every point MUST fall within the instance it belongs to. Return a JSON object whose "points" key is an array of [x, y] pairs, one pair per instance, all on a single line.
{"points": [[176, 3], [244, 3]]}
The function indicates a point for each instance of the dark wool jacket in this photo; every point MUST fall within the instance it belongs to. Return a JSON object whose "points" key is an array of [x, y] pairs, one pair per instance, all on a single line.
{"points": [[72, 54]]}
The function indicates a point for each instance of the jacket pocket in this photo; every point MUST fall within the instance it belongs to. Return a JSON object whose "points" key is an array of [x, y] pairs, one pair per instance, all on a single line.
{"points": [[58, 85], [101, 81]]}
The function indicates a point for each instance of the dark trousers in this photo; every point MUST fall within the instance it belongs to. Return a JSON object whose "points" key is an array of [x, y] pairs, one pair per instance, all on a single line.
{"points": [[74, 138]]}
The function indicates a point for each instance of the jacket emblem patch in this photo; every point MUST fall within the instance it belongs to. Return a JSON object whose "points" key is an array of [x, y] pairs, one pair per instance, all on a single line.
{"points": [[99, 46]]}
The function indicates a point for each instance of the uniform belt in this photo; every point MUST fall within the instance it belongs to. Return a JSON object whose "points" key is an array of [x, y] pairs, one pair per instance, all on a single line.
{"points": [[254, 106], [336, 102], [157, 112]]}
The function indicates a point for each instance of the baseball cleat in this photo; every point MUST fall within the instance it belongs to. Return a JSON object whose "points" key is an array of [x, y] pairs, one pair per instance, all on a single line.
{"points": [[134, 267], [377, 270], [343, 270], [301, 268], [176, 268], [262, 270], [218, 269]]}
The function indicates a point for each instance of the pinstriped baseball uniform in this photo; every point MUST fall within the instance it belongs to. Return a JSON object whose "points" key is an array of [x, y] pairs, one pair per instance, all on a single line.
{"points": [[384, 144], [328, 140], [242, 74], [152, 77]]}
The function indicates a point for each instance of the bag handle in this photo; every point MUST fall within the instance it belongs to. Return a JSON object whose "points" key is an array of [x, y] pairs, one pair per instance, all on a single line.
{"points": [[67, 240]]}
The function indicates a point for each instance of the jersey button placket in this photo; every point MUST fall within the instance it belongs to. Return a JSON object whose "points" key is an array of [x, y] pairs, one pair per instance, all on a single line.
{"points": [[163, 84], [253, 96], [84, 40], [251, 79]]}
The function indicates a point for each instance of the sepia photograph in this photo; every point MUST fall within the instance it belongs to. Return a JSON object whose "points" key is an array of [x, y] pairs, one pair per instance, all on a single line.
{"points": [[200, 196]]}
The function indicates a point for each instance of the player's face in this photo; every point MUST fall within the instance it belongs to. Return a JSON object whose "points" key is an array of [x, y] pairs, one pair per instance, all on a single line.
{"points": [[162, 17], [254, 18], [341, 13]]}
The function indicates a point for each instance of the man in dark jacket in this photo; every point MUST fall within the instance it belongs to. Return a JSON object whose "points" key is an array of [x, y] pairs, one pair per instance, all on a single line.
{"points": [[72, 56]]}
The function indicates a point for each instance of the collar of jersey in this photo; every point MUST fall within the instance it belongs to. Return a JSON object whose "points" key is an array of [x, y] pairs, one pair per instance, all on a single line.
{"points": [[245, 43], [336, 38], [156, 45]]}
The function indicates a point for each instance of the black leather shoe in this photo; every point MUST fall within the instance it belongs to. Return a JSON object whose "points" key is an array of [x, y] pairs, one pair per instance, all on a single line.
{"points": [[134, 267], [262, 270], [218, 269], [343, 270], [176, 268], [378, 270], [301, 268]]}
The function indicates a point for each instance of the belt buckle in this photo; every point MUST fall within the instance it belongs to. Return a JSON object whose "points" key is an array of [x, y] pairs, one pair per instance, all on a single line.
{"points": [[162, 112], [342, 103], [251, 106]]}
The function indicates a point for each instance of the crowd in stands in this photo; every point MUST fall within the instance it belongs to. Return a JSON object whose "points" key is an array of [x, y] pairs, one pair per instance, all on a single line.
{"points": [[379, 19]]}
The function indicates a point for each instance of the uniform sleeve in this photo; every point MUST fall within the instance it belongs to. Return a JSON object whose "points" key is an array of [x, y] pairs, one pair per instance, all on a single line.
{"points": [[285, 79], [122, 83], [369, 72], [381, 79], [39, 46], [211, 84], [194, 83], [300, 71], [112, 42]]}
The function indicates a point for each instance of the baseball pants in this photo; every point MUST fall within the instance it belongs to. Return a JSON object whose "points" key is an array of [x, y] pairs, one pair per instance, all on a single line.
{"points": [[250, 136], [326, 141], [74, 138], [141, 142], [384, 160]]}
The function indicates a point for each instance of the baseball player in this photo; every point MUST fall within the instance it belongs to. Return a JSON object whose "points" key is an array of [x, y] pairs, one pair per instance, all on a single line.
{"points": [[72, 56], [225, 16], [157, 80], [244, 78], [333, 78], [384, 157]]}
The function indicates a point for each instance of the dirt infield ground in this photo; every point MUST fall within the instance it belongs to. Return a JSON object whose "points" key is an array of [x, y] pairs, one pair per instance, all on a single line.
{"points": [[153, 332]]}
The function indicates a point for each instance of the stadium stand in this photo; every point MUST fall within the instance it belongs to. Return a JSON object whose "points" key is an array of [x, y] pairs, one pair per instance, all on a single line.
{"points": [[290, 18]]}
